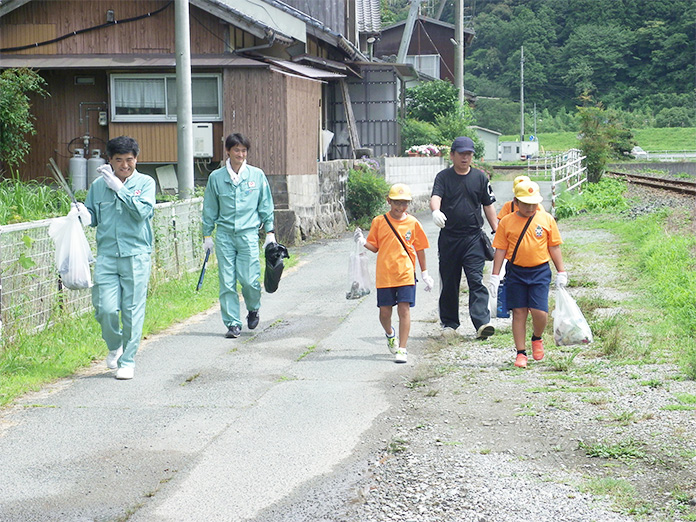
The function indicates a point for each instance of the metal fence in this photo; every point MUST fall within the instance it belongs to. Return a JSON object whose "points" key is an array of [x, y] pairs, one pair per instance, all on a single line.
{"points": [[31, 292]]}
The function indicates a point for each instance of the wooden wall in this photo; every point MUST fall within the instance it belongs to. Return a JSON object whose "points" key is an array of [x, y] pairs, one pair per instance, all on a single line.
{"points": [[57, 120], [42, 20], [279, 114]]}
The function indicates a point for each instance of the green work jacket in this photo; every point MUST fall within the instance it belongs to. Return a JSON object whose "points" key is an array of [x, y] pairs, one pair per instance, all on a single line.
{"points": [[237, 208], [123, 218]]}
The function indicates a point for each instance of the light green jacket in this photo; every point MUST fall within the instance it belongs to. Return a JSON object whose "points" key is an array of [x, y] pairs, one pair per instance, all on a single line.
{"points": [[237, 208], [123, 219]]}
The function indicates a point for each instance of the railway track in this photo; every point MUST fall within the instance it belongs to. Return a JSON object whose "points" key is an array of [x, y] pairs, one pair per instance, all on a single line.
{"points": [[673, 185]]}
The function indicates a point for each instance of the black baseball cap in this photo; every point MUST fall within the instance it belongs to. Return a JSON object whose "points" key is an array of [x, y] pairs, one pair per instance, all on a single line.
{"points": [[463, 144]]}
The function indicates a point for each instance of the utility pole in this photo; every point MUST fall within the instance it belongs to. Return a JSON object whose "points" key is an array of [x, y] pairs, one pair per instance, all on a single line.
{"points": [[184, 105], [522, 93], [408, 31], [459, 49]]}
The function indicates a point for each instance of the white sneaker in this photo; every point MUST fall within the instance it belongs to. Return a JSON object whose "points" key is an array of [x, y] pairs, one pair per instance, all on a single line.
{"points": [[113, 357], [401, 355], [485, 331], [125, 372]]}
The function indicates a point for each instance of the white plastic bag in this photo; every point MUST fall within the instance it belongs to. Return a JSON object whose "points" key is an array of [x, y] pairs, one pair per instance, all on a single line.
{"points": [[569, 325], [73, 255], [358, 273]]}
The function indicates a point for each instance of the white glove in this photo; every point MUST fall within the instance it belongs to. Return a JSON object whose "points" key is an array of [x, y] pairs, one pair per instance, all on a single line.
{"points": [[359, 238], [439, 218], [208, 244], [427, 280], [112, 181], [79, 210], [561, 279], [493, 284], [270, 238]]}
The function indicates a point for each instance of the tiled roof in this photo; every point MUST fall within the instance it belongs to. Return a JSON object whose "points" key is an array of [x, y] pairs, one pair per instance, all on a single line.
{"points": [[369, 17]]}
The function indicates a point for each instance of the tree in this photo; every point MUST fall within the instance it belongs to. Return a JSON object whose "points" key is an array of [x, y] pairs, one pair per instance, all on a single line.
{"points": [[593, 141], [426, 101], [16, 121]]}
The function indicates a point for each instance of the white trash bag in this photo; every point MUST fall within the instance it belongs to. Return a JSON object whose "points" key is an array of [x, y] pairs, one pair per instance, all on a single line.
{"points": [[358, 273], [73, 255], [569, 325]]}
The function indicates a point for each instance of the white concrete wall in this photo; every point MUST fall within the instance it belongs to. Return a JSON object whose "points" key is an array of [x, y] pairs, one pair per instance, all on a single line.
{"points": [[418, 173]]}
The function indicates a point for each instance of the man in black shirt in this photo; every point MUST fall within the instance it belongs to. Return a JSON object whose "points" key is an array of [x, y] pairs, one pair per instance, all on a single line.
{"points": [[459, 193]]}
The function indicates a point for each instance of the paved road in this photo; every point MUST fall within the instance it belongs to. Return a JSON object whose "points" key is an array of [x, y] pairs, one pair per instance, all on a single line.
{"points": [[212, 428]]}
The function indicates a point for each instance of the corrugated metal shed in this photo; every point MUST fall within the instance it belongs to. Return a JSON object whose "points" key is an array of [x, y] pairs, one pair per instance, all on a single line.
{"points": [[369, 17]]}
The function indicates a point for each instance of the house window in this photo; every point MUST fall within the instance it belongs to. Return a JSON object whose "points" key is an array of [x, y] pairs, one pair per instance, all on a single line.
{"points": [[152, 97], [426, 63]]}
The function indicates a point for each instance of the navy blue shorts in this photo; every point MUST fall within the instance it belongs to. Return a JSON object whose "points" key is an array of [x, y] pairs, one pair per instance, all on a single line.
{"points": [[396, 294], [528, 287]]}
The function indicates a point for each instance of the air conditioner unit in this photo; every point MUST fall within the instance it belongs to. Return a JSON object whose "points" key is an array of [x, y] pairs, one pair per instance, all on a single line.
{"points": [[202, 140]]}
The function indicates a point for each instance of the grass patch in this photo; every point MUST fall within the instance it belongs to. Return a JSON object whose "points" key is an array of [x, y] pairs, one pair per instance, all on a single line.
{"points": [[623, 494], [624, 450]]}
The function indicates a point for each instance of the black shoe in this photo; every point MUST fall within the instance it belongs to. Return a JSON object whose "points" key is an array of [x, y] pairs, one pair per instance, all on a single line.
{"points": [[233, 332], [253, 319]]}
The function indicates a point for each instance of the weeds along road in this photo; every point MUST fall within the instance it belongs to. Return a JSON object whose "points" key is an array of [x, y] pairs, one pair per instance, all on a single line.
{"points": [[213, 428]]}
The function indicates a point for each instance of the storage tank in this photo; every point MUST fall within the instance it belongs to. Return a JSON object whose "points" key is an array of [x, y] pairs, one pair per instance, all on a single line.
{"points": [[77, 167], [92, 164]]}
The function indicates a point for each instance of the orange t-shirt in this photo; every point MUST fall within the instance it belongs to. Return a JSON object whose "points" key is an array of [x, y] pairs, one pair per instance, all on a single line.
{"points": [[541, 234], [394, 267]]}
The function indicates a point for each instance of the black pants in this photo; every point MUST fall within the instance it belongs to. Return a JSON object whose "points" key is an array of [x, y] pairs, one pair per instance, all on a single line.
{"points": [[457, 253]]}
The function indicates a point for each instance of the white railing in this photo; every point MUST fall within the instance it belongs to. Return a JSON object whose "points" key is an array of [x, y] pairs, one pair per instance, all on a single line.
{"points": [[569, 175]]}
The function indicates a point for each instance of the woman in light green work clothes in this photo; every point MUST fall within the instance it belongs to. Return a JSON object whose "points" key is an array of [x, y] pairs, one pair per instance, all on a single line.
{"points": [[238, 201], [121, 203]]}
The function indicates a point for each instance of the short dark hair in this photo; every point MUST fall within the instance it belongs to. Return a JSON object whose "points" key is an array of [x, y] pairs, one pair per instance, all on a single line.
{"points": [[237, 139], [122, 145]]}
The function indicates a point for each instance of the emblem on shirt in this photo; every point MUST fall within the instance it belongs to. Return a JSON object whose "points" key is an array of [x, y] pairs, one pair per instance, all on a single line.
{"points": [[252, 184], [137, 192], [408, 236], [538, 231]]}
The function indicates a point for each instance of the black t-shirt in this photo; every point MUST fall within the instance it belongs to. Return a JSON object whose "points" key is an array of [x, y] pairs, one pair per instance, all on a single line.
{"points": [[462, 198]]}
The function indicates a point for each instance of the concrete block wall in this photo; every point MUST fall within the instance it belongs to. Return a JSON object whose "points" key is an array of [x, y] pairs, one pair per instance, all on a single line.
{"points": [[418, 173]]}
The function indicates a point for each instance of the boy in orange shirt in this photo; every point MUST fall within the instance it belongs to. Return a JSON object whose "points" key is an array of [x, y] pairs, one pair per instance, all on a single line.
{"points": [[528, 274], [398, 239]]}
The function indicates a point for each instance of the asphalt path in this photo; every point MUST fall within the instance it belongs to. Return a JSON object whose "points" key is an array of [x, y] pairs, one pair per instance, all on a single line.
{"points": [[213, 428]]}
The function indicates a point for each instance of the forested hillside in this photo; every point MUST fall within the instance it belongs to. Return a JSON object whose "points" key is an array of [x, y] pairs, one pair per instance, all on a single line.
{"points": [[632, 55]]}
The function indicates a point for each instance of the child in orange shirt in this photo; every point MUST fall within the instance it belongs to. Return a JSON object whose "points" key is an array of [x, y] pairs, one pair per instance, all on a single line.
{"points": [[396, 268], [528, 274]]}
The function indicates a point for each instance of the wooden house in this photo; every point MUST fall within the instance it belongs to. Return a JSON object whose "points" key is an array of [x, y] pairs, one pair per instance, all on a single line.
{"points": [[431, 49], [110, 70]]}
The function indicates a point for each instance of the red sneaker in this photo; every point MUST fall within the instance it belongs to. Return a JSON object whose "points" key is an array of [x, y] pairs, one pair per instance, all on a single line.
{"points": [[521, 361], [538, 350]]}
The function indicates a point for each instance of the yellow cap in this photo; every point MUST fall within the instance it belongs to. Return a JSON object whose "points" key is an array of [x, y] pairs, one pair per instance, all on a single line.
{"points": [[400, 192], [518, 179], [528, 192]]}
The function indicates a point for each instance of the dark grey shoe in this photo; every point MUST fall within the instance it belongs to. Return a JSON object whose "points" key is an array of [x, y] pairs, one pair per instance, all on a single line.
{"points": [[233, 332], [253, 319]]}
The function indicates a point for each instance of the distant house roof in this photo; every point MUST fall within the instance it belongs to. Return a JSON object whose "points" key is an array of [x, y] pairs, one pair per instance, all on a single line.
{"points": [[483, 129], [468, 32], [369, 16]]}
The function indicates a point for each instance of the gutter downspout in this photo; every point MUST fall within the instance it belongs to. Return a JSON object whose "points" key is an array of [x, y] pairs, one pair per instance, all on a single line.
{"points": [[258, 47]]}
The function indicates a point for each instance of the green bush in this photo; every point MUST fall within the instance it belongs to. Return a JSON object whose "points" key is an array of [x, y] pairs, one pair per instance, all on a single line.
{"points": [[428, 100], [366, 194], [416, 132]]}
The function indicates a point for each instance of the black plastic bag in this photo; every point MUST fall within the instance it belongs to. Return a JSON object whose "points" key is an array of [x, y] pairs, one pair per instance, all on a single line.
{"points": [[275, 253]]}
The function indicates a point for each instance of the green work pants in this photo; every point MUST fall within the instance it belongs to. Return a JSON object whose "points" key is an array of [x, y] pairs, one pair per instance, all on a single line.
{"points": [[120, 289], [238, 261]]}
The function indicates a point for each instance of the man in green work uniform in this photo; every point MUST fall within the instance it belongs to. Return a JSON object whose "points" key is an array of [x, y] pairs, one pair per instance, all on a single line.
{"points": [[238, 201], [121, 203]]}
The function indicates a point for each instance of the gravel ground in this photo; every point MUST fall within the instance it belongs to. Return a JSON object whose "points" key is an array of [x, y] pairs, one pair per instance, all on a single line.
{"points": [[478, 440]]}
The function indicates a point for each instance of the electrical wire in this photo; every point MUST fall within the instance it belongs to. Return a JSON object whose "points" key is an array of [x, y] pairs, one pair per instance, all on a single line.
{"points": [[86, 30]]}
